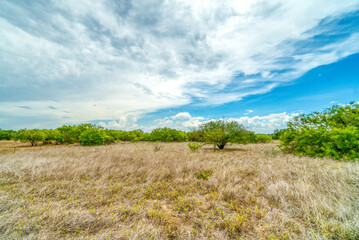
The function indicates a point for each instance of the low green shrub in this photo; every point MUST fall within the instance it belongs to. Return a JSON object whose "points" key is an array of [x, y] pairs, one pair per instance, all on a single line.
{"points": [[194, 146], [205, 174]]}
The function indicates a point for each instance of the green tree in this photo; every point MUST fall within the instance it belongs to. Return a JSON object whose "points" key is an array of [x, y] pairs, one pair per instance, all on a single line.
{"points": [[33, 136], [167, 135], [195, 136], [262, 138], [72, 133], [94, 136], [68, 133], [221, 132], [278, 133], [7, 134], [133, 136], [53, 135]]}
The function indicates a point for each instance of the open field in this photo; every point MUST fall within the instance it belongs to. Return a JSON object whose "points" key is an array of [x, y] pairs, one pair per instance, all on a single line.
{"points": [[131, 191], [10, 146]]}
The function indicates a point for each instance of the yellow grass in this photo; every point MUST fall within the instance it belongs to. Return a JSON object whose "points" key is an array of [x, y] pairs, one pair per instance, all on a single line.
{"points": [[131, 191]]}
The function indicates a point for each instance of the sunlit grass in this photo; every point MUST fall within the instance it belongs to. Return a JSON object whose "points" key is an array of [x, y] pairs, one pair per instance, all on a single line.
{"points": [[167, 191]]}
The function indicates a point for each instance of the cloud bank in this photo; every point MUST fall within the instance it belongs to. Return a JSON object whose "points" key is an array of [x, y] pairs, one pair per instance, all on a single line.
{"points": [[73, 61], [259, 124]]}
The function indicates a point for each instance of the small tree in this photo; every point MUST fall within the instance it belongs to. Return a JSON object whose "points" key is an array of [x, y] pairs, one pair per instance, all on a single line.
{"points": [[53, 135], [167, 135], [33, 136], [221, 132], [94, 136]]}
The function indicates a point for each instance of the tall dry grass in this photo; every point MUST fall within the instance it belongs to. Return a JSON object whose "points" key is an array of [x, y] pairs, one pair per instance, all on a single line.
{"points": [[131, 191]]}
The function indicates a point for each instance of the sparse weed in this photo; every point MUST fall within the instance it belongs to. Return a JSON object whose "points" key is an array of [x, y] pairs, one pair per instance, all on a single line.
{"points": [[272, 151], [156, 148], [205, 174]]}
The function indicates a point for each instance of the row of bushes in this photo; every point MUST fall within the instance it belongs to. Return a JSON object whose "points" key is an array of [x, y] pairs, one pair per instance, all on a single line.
{"points": [[333, 133], [89, 134]]}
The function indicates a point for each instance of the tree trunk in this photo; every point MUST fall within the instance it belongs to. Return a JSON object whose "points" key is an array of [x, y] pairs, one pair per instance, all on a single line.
{"points": [[221, 146]]}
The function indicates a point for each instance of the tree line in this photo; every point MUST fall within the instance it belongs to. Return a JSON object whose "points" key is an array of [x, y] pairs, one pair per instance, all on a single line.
{"points": [[218, 132], [332, 133]]}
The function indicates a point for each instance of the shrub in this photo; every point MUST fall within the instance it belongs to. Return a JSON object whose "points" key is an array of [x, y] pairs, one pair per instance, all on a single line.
{"points": [[205, 174], [133, 136], [262, 138], [333, 133], [193, 146], [94, 136], [221, 132], [167, 135], [342, 143]]}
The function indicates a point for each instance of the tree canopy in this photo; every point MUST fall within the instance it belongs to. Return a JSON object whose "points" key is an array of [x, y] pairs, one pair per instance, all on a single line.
{"points": [[221, 132]]}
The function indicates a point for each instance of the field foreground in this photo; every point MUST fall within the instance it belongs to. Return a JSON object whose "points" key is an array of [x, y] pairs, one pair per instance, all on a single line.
{"points": [[165, 191]]}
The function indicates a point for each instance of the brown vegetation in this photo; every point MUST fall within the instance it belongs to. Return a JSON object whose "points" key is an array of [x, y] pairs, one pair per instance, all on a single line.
{"points": [[131, 191], [11, 146]]}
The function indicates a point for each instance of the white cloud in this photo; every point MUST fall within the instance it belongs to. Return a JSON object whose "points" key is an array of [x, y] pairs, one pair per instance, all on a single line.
{"points": [[181, 121], [248, 112], [137, 57], [126, 122], [182, 115], [266, 124], [258, 124]]}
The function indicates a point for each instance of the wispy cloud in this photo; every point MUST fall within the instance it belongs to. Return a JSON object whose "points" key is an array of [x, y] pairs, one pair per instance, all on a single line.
{"points": [[248, 112], [108, 59], [24, 107]]}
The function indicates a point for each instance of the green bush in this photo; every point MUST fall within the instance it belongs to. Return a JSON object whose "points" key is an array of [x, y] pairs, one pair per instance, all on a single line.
{"points": [[194, 146], [342, 143], [205, 174], [132, 136], [262, 138], [94, 136], [167, 135], [278, 133], [333, 133]]}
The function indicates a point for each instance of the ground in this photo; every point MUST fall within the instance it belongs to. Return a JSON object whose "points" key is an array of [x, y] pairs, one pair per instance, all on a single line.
{"points": [[165, 191]]}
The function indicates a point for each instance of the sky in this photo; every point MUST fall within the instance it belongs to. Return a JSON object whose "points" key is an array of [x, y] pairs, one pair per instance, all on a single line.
{"points": [[148, 64]]}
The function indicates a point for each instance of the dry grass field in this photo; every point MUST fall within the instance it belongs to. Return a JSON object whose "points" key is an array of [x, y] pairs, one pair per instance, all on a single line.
{"points": [[165, 191]]}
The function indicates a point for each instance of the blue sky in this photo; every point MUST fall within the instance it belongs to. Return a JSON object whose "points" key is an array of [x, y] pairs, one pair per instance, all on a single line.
{"points": [[135, 64]]}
